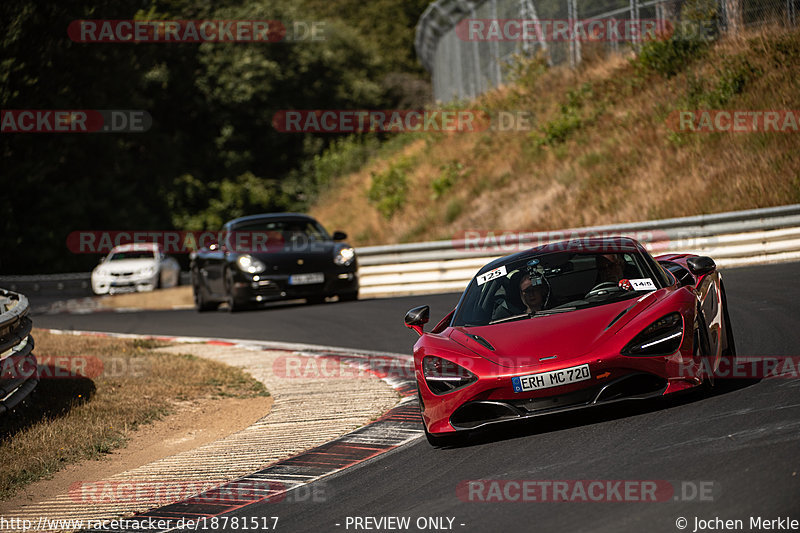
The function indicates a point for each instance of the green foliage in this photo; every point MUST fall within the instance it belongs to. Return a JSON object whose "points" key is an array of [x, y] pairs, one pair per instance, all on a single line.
{"points": [[389, 188], [389, 24], [212, 152], [342, 156], [689, 40], [525, 71], [732, 77], [451, 173], [454, 209], [669, 56], [571, 117]]}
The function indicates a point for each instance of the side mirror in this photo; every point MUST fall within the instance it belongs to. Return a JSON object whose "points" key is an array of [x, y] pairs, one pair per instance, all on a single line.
{"points": [[339, 235], [701, 265], [416, 318]]}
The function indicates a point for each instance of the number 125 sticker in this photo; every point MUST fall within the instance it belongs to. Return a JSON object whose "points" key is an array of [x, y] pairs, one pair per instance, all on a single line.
{"points": [[492, 274]]}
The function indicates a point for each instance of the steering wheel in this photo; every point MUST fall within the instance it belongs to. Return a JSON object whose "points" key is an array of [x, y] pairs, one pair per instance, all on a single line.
{"points": [[601, 287]]}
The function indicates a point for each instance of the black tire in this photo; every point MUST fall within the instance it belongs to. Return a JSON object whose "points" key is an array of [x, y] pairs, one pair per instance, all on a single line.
{"points": [[234, 305], [730, 348], [348, 296], [200, 303], [701, 348]]}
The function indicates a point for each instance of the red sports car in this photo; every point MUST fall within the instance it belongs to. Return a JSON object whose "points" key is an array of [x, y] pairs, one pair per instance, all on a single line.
{"points": [[569, 325]]}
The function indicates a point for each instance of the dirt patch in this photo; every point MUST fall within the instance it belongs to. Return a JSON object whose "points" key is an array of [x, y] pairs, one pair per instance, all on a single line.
{"points": [[158, 299], [194, 424]]}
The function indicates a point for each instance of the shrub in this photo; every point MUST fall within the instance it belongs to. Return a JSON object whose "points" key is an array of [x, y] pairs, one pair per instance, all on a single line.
{"points": [[388, 190]]}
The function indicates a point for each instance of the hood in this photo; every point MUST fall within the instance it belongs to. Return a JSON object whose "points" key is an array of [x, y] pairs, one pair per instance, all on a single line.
{"points": [[568, 336], [126, 265], [307, 258]]}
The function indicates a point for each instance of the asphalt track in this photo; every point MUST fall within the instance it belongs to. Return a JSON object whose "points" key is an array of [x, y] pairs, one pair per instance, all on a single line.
{"points": [[740, 444]]}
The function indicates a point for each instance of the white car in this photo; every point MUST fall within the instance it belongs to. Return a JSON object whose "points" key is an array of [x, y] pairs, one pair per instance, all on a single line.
{"points": [[135, 267]]}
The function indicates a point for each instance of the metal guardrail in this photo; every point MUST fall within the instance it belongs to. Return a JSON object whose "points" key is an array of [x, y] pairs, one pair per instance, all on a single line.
{"points": [[18, 368], [734, 238]]}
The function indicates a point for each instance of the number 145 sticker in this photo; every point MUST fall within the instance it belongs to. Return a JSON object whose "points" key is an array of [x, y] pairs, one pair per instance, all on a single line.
{"points": [[644, 284]]}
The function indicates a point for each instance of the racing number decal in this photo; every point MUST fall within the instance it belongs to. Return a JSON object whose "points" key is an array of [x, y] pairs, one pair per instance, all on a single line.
{"points": [[492, 274], [644, 284]]}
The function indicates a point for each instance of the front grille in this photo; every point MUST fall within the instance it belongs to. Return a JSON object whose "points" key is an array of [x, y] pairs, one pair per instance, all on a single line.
{"points": [[533, 405]]}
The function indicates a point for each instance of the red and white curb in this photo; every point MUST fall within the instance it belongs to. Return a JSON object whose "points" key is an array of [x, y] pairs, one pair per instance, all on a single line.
{"points": [[401, 425]]}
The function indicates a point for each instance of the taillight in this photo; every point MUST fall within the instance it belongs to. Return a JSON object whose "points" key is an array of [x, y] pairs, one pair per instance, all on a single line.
{"points": [[443, 376]]}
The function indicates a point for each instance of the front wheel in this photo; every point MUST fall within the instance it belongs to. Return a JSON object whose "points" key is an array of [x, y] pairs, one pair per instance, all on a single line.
{"points": [[730, 344], [234, 305], [348, 296], [200, 302]]}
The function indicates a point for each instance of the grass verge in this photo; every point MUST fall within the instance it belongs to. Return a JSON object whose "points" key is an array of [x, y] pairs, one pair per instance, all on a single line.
{"points": [[94, 393]]}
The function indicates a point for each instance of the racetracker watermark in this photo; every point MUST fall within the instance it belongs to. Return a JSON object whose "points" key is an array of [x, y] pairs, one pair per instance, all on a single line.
{"points": [[400, 120], [186, 242], [585, 490], [745, 367], [72, 367], [504, 242], [584, 30], [195, 31], [197, 491], [74, 121], [302, 367], [735, 121]]}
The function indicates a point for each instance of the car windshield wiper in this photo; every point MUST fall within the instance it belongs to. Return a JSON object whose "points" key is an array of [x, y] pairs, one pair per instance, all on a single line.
{"points": [[509, 318], [546, 312]]}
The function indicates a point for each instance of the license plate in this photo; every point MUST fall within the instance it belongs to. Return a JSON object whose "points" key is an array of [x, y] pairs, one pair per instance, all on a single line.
{"points": [[545, 380], [307, 279]]}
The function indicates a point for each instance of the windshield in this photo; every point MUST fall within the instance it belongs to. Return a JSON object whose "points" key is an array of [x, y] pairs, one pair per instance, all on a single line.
{"points": [[132, 254], [545, 284], [286, 230]]}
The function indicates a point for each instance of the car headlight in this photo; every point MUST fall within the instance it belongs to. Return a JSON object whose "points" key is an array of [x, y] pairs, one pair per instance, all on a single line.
{"points": [[148, 271], [661, 338], [443, 376], [345, 256], [248, 263]]}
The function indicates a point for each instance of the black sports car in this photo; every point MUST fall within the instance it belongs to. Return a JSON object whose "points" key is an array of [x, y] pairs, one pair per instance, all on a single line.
{"points": [[267, 257]]}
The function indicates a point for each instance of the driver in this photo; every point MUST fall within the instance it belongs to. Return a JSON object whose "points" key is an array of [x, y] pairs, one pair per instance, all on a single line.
{"points": [[610, 268], [533, 296]]}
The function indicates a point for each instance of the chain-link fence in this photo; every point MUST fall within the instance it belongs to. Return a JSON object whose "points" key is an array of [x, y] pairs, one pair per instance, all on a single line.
{"points": [[466, 44]]}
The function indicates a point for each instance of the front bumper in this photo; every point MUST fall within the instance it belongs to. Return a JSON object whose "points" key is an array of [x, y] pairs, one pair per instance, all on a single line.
{"points": [[255, 288], [491, 399], [634, 386], [111, 284]]}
